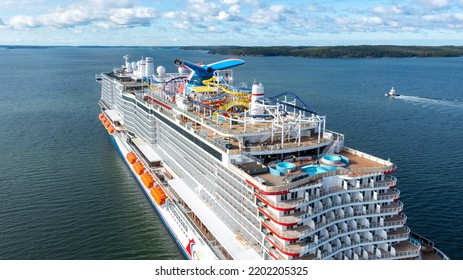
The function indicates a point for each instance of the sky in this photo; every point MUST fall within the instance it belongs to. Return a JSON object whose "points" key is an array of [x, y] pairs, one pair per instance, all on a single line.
{"points": [[230, 22]]}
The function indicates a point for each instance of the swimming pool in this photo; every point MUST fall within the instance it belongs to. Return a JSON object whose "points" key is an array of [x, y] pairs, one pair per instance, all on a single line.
{"points": [[313, 169], [334, 160], [281, 168]]}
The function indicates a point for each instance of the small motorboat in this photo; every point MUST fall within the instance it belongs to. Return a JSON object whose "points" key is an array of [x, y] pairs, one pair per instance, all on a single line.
{"points": [[392, 93]]}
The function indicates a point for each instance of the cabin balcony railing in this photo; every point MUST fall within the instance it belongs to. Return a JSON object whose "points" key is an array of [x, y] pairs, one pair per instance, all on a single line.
{"points": [[290, 234], [390, 195], [295, 218], [284, 146], [301, 233], [319, 226], [293, 249], [282, 219], [361, 240], [401, 254], [404, 254], [356, 214]]}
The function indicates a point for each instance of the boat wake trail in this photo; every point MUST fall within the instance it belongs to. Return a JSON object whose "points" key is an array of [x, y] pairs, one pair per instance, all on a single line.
{"points": [[432, 101]]}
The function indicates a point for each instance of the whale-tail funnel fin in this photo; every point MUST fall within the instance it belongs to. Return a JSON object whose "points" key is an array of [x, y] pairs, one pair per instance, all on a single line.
{"points": [[207, 70], [198, 69], [226, 64]]}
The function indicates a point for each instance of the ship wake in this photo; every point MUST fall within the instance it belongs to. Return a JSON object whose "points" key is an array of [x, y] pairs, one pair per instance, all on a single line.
{"points": [[455, 104]]}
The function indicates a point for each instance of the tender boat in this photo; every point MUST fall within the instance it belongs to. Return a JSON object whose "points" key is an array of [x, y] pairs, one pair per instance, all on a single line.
{"points": [[392, 93]]}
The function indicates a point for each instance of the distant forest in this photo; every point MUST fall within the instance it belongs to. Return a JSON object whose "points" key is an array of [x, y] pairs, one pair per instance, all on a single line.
{"points": [[361, 51]]}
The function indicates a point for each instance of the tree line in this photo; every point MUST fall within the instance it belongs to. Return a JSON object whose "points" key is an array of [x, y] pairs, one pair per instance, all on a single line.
{"points": [[360, 51]]}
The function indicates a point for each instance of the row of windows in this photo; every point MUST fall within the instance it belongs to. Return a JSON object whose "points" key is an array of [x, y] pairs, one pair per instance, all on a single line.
{"points": [[193, 157], [205, 172], [187, 135], [200, 170], [145, 128]]}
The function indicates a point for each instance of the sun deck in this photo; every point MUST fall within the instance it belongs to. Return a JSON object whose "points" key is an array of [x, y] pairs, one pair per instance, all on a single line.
{"points": [[359, 163]]}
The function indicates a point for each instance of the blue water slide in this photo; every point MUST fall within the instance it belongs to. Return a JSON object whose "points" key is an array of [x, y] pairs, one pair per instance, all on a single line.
{"points": [[275, 98]]}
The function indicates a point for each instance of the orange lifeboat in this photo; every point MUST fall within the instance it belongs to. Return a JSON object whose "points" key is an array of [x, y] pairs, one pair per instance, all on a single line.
{"points": [[101, 116], [147, 180], [139, 168], [131, 157], [110, 129], [158, 194], [106, 124]]}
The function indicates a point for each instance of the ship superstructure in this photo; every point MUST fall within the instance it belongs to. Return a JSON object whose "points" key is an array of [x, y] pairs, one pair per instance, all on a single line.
{"points": [[237, 175]]}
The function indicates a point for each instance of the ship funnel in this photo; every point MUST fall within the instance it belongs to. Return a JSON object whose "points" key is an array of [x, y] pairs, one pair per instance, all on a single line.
{"points": [[257, 92], [199, 69], [142, 68], [149, 70]]}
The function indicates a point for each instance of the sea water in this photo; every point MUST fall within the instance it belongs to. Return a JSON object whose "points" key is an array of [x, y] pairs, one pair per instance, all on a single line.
{"points": [[66, 194]]}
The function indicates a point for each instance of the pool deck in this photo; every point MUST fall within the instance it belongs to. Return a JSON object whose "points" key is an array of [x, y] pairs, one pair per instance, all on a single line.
{"points": [[356, 162]]}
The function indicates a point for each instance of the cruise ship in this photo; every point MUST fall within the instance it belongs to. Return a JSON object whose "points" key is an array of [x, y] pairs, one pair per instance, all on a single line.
{"points": [[237, 175]]}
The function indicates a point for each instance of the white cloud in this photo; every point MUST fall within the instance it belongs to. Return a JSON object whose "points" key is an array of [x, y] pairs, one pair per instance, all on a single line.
{"points": [[454, 19], [132, 16], [231, 2], [110, 4], [437, 18], [273, 14], [235, 10], [316, 8], [170, 15], [181, 25], [392, 10], [435, 4], [223, 16], [202, 6], [458, 16], [409, 28], [23, 22], [361, 24], [361, 20], [101, 13], [236, 20], [277, 8], [213, 29], [371, 20]]}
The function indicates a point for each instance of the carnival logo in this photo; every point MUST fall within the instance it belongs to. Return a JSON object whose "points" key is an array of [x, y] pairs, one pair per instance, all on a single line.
{"points": [[189, 247]]}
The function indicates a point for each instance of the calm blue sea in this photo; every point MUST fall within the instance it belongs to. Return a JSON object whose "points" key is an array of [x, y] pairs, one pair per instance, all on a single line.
{"points": [[66, 194]]}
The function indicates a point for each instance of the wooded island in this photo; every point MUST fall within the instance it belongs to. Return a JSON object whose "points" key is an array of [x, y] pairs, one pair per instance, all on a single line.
{"points": [[360, 51]]}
